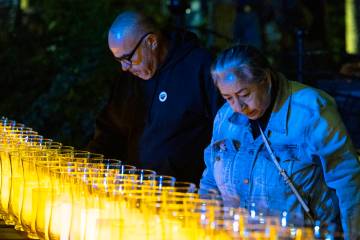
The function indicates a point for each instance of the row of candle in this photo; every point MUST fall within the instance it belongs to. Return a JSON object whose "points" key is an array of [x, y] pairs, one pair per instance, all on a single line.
{"points": [[52, 191]]}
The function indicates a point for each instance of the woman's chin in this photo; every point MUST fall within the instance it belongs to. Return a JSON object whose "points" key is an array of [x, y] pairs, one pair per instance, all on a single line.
{"points": [[253, 115], [253, 118]]}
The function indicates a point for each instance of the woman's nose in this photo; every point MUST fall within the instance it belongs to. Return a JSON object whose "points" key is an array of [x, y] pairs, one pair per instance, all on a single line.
{"points": [[239, 106]]}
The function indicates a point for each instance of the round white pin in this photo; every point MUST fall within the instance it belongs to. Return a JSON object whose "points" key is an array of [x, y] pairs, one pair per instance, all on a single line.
{"points": [[163, 96]]}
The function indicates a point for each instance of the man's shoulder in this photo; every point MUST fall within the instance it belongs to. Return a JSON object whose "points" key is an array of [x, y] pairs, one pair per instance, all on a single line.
{"points": [[185, 48], [201, 53]]}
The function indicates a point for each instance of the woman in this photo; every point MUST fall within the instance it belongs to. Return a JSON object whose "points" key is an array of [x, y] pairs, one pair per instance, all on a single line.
{"points": [[303, 131]]}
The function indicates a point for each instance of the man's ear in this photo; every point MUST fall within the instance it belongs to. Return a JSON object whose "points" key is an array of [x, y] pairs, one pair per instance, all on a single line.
{"points": [[152, 41]]}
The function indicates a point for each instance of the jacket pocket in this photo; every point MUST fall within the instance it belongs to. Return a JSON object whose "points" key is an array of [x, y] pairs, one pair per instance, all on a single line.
{"points": [[286, 156], [224, 153]]}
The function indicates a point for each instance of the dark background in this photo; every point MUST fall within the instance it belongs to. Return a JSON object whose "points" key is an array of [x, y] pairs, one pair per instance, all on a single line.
{"points": [[56, 69]]}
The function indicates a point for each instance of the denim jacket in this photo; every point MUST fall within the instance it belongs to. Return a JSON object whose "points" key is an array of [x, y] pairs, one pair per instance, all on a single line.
{"points": [[311, 144]]}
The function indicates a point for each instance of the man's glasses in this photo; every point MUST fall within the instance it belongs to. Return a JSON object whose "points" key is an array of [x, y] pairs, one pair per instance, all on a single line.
{"points": [[125, 60]]}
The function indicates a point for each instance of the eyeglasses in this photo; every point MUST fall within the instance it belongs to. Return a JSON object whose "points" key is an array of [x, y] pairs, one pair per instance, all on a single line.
{"points": [[125, 60]]}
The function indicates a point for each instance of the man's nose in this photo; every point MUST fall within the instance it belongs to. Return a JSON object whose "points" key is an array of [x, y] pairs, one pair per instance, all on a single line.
{"points": [[125, 67]]}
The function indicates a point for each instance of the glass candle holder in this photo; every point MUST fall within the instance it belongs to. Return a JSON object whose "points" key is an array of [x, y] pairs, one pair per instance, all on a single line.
{"points": [[30, 197], [17, 188], [5, 183], [61, 201]]}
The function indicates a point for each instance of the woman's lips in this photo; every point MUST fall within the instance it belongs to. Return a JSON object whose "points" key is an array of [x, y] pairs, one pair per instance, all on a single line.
{"points": [[251, 114]]}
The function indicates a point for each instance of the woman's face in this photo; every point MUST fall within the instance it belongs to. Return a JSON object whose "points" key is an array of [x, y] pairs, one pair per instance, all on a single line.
{"points": [[250, 99]]}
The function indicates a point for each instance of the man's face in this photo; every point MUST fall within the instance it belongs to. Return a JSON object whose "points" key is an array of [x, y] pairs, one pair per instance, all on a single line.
{"points": [[250, 99], [135, 54]]}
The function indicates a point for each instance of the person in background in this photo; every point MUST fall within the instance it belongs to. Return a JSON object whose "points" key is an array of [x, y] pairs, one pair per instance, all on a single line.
{"points": [[269, 120], [160, 116], [351, 69]]}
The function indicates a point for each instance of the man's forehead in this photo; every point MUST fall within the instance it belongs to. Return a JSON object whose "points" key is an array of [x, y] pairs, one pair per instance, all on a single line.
{"points": [[123, 36], [118, 36], [119, 42], [120, 32]]}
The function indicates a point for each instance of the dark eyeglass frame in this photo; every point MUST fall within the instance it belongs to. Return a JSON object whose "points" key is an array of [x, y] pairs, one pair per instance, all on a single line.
{"points": [[128, 57]]}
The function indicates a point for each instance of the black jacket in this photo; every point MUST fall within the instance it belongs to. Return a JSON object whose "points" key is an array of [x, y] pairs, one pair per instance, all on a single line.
{"points": [[163, 123]]}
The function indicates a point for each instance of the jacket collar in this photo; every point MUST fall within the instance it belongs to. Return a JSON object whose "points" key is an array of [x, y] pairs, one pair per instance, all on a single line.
{"points": [[279, 116]]}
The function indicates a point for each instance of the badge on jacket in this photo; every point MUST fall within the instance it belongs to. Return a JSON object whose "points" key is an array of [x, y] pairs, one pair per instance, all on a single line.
{"points": [[163, 96]]}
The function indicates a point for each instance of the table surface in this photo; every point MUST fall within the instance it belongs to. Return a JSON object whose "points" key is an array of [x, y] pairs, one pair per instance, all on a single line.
{"points": [[9, 233]]}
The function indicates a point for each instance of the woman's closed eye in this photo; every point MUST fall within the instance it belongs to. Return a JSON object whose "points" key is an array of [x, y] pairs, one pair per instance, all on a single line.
{"points": [[241, 96], [229, 99], [244, 95]]}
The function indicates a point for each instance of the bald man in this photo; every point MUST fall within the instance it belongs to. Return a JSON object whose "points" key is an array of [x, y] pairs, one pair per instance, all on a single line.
{"points": [[161, 117]]}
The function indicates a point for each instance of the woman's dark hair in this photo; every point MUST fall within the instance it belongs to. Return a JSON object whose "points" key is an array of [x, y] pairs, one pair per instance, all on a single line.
{"points": [[247, 62]]}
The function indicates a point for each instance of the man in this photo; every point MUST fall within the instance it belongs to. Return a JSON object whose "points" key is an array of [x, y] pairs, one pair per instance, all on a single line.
{"points": [[160, 119]]}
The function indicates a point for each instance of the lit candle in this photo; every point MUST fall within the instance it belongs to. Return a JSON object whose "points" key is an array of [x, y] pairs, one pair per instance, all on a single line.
{"points": [[91, 227], [60, 219], [42, 198]]}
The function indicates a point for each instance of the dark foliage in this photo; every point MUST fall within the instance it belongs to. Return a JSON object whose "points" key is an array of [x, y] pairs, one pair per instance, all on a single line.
{"points": [[56, 67]]}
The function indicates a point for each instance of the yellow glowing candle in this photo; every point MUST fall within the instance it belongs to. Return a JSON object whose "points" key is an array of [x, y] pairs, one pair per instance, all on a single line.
{"points": [[17, 188], [273, 233], [241, 225], [43, 196], [15, 204], [91, 228], [29, 209], [78, 221], [30, 198], [5, 180], [109, 222], [298, 234], [59, 226]]}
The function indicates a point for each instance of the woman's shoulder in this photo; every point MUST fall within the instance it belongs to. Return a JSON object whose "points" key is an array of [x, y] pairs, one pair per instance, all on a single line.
{"points": [[310, 97]]}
